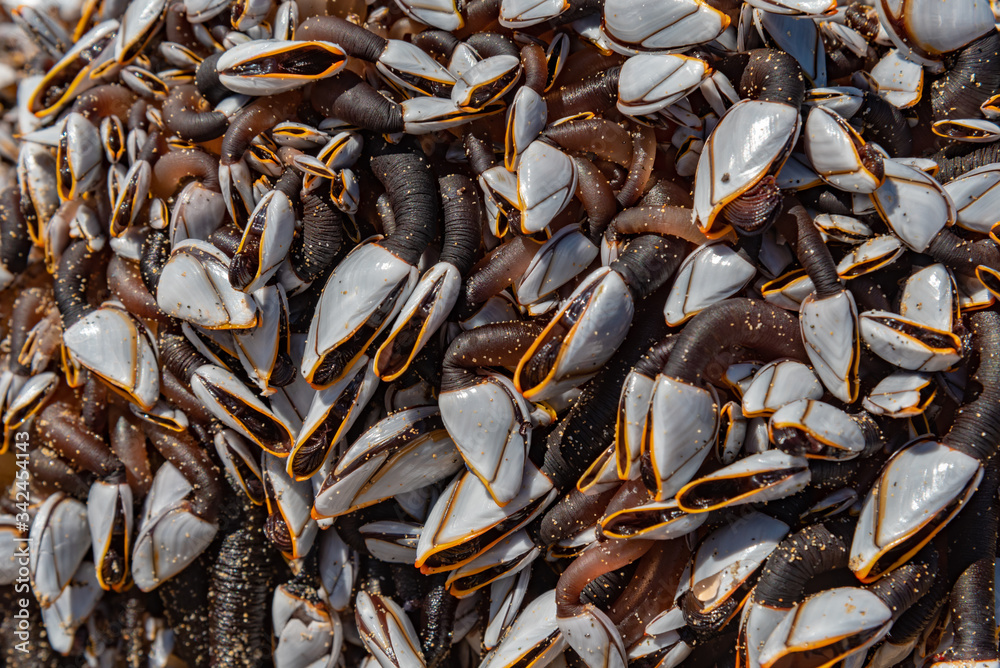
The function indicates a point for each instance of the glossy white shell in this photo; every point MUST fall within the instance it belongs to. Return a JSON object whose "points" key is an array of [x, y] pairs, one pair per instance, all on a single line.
{"points": [[170, 536], [830, 333], [929, 29], [558, 261], [779, 383], [841, 613], [929, 297], [662, 24], [899, 80], [650, 82], [490, 424], [194, 286], [682, 424], [749, 140], [546, 182], [711, 273], [728, 556], [109, 342], [535, 633], [916, 485], [823, 422], [832, 146], [903, 350], [898, 395], [363, 280], [914, 205], [977, 198]]}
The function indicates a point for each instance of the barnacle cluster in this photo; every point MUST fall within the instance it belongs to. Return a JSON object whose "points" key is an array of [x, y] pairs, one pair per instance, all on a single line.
{"points": [[500, 333]]}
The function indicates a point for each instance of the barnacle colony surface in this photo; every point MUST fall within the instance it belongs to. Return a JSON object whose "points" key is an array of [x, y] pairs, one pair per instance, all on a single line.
{"points": [[499, 333]]}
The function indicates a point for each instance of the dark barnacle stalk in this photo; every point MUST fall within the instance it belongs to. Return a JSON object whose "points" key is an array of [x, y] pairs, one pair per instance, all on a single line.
{"points": [[971, 563], [240, 589], [971, 79], [72, 279]]}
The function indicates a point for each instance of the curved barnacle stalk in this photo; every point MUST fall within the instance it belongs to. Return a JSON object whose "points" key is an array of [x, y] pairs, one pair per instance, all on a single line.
{"points": [[466, 521], [587, 628], [128, 442], [179, 515], [239, 589], [799, 558], [723, 569], [971, 609], [486, 417], [588, 328], [353, 309], [315, 251], [409, 447], [683, 416], [331, 414], [846, 621], [943, 474], [187, 113], [16, 236], [438, 290], [737, 182]]}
